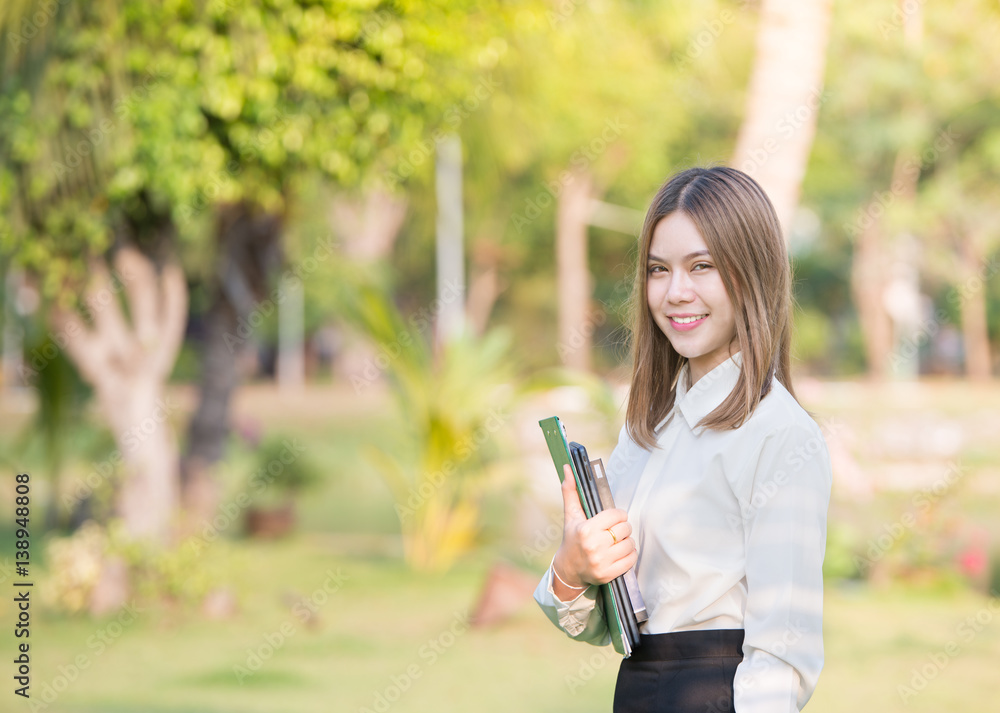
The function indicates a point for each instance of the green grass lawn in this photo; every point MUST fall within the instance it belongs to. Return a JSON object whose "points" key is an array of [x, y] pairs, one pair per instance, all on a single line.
{"points": [[383, 635], [386, 638]]}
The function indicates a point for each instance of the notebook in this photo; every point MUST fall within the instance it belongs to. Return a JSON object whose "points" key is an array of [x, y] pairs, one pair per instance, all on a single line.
{"points": [[620, 599]]}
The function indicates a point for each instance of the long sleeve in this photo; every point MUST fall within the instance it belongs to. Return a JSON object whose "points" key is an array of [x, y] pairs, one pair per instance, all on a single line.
{"points": [[580, 618], [784, 523], [730, 526]]}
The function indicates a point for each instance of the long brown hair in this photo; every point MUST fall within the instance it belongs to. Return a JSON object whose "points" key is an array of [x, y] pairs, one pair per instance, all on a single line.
{"points": [[743, 235]]}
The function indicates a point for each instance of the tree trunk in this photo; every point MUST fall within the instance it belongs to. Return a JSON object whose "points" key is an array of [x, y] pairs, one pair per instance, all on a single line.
{"points": [[572, 274], [249, 252], [868, 287], [150, 492], [367, 227], [786, 91], [871, 263], [485, 287], [128, 365], [209, 426], [975, 336]]}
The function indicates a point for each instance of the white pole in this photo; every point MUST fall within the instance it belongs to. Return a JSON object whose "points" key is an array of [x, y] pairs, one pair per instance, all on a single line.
{"points": [[450, 257], [291, 359]]}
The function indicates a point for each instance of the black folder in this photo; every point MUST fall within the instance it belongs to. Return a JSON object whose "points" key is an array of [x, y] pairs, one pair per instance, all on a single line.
{"points": [[620, 599]]}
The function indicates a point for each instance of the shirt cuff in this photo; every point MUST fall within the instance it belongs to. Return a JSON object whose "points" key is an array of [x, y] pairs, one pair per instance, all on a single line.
{"points": [[574, 614], [765, 683]]}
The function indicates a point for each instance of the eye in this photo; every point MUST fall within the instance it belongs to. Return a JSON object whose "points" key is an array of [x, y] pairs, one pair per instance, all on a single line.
{"points": [[653, 269], [702, 266]]}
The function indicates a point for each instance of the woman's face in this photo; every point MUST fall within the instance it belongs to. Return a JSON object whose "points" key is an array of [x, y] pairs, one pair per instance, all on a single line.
{"points": [[686, 296]]}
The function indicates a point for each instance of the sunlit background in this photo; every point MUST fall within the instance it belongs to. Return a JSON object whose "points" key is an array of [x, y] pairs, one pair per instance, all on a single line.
{"points": [[288, 284]]}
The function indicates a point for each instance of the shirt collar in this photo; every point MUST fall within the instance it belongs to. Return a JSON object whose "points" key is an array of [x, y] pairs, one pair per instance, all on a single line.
{"points": [[710, 391]]}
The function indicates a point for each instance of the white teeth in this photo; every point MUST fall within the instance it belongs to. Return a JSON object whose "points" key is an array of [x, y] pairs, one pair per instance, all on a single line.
{"points": [[688, 320]]}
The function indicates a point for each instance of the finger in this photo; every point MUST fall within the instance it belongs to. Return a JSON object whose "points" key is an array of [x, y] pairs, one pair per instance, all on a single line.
{"points": [[616, 568], [624, 548], [627, 562], [622, 529], [572, 509], [611, 518], [605, 543]]}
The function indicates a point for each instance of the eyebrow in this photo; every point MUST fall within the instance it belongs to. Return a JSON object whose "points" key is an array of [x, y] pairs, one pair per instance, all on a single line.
{"points": [[696, 253]]}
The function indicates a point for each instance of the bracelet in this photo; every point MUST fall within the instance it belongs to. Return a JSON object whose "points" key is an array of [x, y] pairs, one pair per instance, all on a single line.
{"points": [[563, 581]]}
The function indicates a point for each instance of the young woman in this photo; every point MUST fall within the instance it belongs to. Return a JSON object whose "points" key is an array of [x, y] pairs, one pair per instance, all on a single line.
{"points": [[721, 479]]}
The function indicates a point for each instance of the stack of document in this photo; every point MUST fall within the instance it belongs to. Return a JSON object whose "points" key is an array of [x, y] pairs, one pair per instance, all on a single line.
{"points": [[620, 600]]}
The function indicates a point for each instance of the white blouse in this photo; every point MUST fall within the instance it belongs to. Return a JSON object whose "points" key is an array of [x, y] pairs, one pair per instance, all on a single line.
{"points": [[731, 532]]}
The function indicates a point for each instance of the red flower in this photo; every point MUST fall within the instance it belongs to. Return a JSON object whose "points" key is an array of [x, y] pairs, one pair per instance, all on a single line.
{"points": [[973, 561]]}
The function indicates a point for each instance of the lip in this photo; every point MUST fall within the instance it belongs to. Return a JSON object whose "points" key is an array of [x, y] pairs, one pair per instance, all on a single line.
{"points": [[685, 327]]}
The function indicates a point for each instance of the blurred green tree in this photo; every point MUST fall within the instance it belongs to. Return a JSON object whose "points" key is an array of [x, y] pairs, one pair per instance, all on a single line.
{"points": [[166, 134], [957, 210], [891, 148], [588, 103]]}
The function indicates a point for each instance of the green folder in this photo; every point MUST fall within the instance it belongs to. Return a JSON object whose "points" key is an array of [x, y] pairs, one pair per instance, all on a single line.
{"points": [[614, 609]]}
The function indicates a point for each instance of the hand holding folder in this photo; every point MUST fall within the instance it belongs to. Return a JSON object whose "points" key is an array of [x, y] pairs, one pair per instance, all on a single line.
{"points": [[620, 599]]}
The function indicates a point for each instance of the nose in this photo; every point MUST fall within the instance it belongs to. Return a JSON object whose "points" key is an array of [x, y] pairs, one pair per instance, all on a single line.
{"points": [[680, 289]]}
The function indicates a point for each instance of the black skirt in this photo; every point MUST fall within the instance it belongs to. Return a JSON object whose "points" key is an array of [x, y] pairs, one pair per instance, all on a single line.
{"points": [[680, 672]]}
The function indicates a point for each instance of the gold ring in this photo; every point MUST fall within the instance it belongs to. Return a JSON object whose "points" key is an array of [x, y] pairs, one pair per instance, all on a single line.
{"points": [[613, 536]]}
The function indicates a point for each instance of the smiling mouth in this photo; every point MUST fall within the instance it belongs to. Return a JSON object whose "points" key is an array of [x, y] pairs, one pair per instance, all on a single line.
{"points": [[687, 320]]}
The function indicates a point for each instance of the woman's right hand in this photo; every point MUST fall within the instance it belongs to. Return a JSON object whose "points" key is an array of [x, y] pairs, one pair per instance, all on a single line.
{"points": [[588, 553]]}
